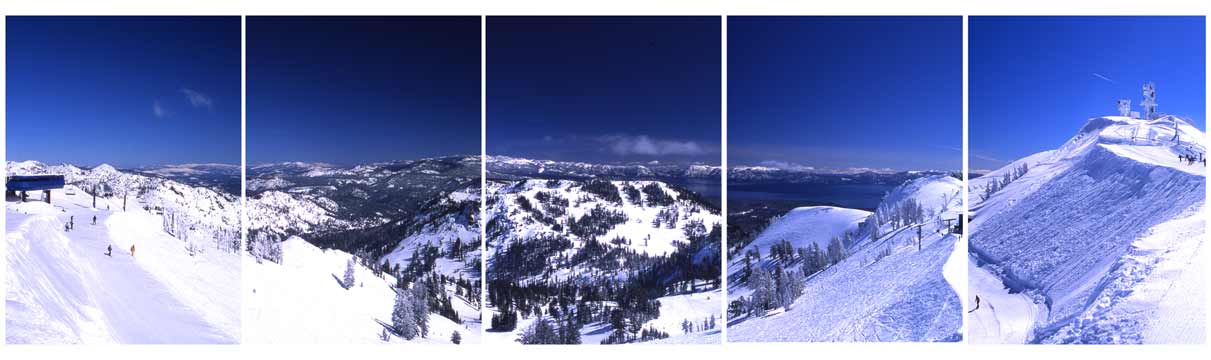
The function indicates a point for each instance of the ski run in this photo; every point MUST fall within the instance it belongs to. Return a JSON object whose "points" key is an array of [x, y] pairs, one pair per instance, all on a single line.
{"points": [[160, 267]]}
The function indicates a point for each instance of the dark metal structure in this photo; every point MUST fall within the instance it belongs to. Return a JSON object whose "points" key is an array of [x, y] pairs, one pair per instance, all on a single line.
{"points": [[19, 185]]}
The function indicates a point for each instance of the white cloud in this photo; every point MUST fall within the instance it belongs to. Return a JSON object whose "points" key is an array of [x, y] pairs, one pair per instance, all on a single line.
{"points": [[644, 145], [158, 110], [198, 99]]}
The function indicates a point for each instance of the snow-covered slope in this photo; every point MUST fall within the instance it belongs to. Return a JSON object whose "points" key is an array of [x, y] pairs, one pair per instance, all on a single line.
{"points": [[806, 225], [887, 288], [655, 246], [646, 239], [302, 301], [1095, 236], [446, 223], [179, 285], [412, 221]]}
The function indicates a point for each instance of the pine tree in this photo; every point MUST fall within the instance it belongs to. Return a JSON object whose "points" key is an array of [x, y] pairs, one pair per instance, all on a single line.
{"points": [[541, 332], [456, 338], [420, 308], [349, 275], [764, 293], [401, 317]]}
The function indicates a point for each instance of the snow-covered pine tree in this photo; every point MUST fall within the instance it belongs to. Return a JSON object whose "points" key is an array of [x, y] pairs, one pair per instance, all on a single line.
{"points": [[541, 332], [764, 293], [348, 280], [402, 318], [420, 307], [456, 338]]}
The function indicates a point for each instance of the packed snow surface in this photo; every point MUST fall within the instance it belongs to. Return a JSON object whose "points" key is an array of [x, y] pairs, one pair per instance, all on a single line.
{"points": [[1098, 242], [906, 295], [64, 289]]}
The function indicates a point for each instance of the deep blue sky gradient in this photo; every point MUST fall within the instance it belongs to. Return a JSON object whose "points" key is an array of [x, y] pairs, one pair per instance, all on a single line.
{"points": [[351, 90], [83, 90], [1034, 81], [845, 92], [605, 89]]}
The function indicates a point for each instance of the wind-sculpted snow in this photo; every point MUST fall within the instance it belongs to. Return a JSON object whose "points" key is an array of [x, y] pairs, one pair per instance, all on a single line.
{"points": [[884, 290], [1070, 228]]}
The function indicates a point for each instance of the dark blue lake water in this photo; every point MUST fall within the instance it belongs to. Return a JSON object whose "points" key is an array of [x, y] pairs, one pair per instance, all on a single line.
{"points": [[857, 196]]}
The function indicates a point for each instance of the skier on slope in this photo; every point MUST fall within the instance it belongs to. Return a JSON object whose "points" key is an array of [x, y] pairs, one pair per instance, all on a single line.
{"points": [[94, 219], [109, 250], [132, 250], [977, 305]]}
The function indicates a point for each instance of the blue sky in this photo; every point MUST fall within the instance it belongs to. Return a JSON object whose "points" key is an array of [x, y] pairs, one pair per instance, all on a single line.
{"points": [[351, 90], [845, 92], [605, 89], [1034, 81], [128, 91]]}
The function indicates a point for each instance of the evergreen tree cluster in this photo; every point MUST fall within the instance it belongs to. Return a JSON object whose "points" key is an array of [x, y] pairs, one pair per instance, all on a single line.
{"points": [[904, 213], [771, 290], [656, 196], [410, 316], [597, 221], [668, 217], [632, 194], [550, 331], [520, 259], [264, 246], [604, 189], [708, 323], [996, 185]]}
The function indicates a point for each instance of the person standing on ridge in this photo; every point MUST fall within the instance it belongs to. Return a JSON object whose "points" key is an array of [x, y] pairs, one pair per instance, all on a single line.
{"points": [[132, 250]]}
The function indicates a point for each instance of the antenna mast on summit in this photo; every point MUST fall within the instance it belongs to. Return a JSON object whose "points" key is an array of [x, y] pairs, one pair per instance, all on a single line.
{"points": [[1124, 107], [1149, 103]]}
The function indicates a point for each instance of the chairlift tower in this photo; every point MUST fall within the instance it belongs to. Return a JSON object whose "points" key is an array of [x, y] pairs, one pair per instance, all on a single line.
{"points": [[1124, 107]]}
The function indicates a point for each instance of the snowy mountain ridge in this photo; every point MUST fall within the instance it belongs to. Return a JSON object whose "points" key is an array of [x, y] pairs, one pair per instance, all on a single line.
{"points": [[1097, 199], [513, 167]]}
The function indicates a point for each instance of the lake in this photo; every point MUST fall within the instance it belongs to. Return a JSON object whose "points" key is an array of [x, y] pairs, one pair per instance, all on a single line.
{"points": [[857, 196]]}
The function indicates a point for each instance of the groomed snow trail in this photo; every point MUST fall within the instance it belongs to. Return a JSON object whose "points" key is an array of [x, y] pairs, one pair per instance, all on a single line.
{"points": [[62, 288], [886, 290]]}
